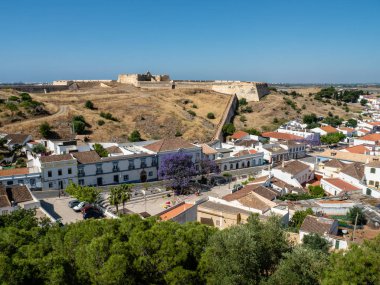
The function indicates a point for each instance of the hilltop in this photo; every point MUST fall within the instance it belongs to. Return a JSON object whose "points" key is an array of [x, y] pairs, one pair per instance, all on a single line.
{"points": [[276, 108], [154, 113]]}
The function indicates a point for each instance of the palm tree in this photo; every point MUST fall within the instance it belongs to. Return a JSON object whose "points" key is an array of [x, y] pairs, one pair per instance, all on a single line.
{"points": [[125, 196], [115, 197]]}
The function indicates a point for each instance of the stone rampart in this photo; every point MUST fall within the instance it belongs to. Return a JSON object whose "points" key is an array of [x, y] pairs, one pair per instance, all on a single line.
{"points": [[227, 116]]}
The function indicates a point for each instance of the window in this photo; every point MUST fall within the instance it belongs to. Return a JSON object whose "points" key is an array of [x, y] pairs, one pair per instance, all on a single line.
{"points": [[143, 163], [60, 172], [99, 169], [116, 178], [126, 177], [49, 173], [50, 184], [225, 167], [231, 166], [10, 182], [131, 164], [32, 182], [154, 161], [69, 171], [81, 181], [115, 166], [20, 181], [371, 182], [150, 173], [80, 171], [373, 170]]}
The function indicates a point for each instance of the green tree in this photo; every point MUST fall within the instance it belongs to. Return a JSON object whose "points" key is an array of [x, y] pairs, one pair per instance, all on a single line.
{"points": [[89, 105], [359, 265], [228, 129], [243, 102], [332, 138], [120, 194], [134, 136], [316, 191], [302, 266], [100, 150], [310, 118], [316, 242], [352, 123], [39, 148], [299, 217], [244, 254], [83, 193], [253, 131], [363, 102], [356, 211], [25, 97], [79, 127], [45, 129]]}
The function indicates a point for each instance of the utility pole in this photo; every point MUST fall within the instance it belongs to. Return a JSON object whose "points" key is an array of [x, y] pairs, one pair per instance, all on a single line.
{"points": [[356, 221]]}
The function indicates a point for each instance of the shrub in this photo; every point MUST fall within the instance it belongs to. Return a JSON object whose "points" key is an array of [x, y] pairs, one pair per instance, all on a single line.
{"points": [[135, 136], [195, 106], [228, 129], [100, 150], [243, 118], [192, 113], [45, 129], [25, 97], [13, 98], [107, 116], [89, 105], [275, 121], [178, 134], [243, 102], [210, 116], [79, 127], [79, 118], [101, 122], [39, 148]]}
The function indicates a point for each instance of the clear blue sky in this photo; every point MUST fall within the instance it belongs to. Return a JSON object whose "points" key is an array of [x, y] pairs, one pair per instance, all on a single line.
{"points": [[271, 40]]}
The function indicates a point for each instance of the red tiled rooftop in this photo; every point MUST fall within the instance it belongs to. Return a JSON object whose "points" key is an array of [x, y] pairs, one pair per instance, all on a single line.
{"points": [[175, 212], [14, 171], [343, 185], [281, 136], [357, 149], [239, 134], [329, 129], [371, 137]]}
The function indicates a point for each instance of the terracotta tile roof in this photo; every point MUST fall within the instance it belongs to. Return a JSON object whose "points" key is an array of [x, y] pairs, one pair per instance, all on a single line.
{"points": [[355, 170], [335, 163], [54, 158], [239, 134], [16, 193], [240, 193], [113, 149], [266, 192], [371, 137], [347, 129], [16, 138], [86, 157], [281, 136], [209, 205], [363, 131], [245, 152], [293, 167], [206, 149], [283, 185], [317, 225], [341, 184], [252, 201], [175, 211], [14, 171], [329, 129], [374, 123], [169, 144], [358, 149]]}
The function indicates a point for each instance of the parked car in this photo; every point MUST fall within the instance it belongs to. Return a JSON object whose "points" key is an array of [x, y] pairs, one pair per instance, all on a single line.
{"points": [[73, 203], [79, 207], [86, 208], [92, 213]]}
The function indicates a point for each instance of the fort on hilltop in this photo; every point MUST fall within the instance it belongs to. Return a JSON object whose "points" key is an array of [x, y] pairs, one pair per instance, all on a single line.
{"points": [[252, 91]]}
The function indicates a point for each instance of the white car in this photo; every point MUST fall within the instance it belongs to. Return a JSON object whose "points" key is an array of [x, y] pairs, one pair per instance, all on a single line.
{"points": [[79, 207]]}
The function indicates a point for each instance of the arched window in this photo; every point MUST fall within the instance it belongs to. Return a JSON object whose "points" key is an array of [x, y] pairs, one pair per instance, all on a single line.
{"points": [[254, 162], [248, 163], [225, 167], [237, 165]]}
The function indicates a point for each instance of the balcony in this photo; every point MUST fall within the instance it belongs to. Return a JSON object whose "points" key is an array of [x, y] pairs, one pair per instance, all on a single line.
{"points": [[115, 169], [143, 165], [99, 171], [131, 167], [81, 173]]}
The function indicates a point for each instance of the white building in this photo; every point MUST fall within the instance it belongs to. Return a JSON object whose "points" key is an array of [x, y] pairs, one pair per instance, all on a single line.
{"points": [[337, 186], [294, 173]]}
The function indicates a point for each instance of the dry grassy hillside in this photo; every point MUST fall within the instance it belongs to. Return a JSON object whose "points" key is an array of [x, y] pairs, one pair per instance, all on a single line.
{"points": [[272, 110], [155, 113]]}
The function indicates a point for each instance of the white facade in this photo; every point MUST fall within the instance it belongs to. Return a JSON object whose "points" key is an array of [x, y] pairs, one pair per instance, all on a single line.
{"points": [[58, 174], [372, 176]]}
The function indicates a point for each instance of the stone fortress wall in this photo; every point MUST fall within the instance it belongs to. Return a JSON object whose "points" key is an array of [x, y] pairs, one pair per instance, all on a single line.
{"points": [[252, 91]]}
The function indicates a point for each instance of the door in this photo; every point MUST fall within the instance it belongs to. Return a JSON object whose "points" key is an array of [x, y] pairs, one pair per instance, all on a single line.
{"points": [[60, 184], [99, 181]]}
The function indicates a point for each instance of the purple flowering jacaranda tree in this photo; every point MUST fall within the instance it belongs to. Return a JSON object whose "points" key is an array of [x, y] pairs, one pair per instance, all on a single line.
{"points": [[178, 169], [208, 166]]}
